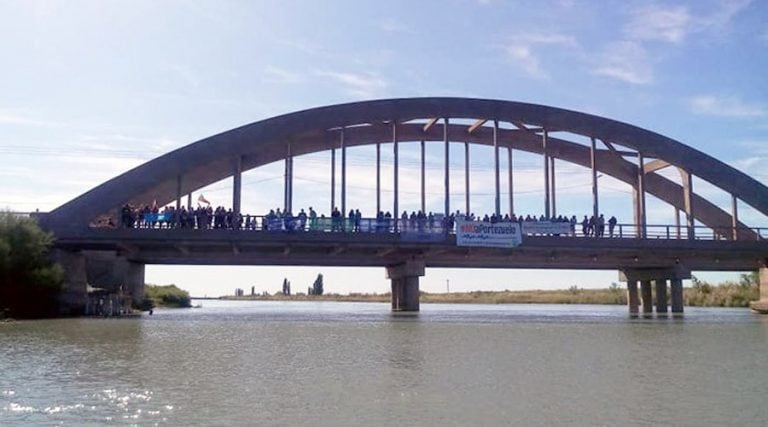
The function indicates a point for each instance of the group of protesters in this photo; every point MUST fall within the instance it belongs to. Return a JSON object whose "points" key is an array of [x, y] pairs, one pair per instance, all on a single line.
{"points": [[206, 217]]}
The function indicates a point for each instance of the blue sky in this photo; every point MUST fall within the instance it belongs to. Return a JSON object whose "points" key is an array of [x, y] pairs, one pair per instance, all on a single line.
{"points": [[90, 89]]}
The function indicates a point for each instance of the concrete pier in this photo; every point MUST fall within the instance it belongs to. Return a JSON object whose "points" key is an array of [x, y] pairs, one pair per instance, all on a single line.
{"points": [[75, 294], [661, 295], [659, 277], [647, 295], [676, 291], [633, 301], [115, 273], [405, 285], [761, 306]]}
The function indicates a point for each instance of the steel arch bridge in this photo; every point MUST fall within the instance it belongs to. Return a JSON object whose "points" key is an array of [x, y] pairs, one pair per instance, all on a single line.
{"points": [[628, 153]]}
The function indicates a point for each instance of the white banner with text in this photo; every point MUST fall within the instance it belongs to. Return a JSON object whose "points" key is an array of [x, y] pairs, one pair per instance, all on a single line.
{"points": [[492, 235]]}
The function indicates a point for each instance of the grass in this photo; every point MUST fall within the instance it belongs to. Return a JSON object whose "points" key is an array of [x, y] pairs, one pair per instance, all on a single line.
{"points": [[701, 294]]}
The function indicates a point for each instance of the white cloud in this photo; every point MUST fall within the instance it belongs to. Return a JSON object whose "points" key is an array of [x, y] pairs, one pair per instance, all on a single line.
{"points": [[723, 15], [522, 50], [626, 61], [659, 23], [273, 74], [363, 85], [11, 117], [725, 107]]}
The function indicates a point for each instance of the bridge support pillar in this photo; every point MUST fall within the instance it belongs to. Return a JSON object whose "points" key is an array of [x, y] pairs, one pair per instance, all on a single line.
{"points": [[761, 306], [661, 295], [676, 290], [116, 274], [659, 276], [647, 295], [405, 285], [633, 302], [73, 299]]}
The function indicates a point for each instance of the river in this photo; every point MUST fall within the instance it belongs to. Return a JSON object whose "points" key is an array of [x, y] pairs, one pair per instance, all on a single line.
{"points": [[355, 364]]}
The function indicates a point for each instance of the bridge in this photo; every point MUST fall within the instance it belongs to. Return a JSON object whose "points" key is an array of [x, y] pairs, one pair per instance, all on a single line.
{"points": [[101, 241]]}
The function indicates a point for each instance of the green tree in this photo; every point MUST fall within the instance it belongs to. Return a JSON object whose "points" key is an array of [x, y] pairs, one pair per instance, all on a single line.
{"points": [[29, 283], [317, 287], [165, 296]]}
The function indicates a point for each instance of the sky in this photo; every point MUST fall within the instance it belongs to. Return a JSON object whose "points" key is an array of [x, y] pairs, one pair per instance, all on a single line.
{"points": [[91, 89]]}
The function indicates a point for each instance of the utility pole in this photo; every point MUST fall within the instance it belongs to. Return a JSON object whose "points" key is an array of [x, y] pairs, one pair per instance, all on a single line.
{"points": [[447, 286]]}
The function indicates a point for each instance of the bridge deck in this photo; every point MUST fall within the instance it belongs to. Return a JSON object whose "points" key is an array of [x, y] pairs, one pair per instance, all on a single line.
{"points": [[246, 247]]}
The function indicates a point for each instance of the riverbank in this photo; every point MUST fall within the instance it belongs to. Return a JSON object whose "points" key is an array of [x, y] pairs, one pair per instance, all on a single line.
{"points": [[701, 294], [571, 296]]}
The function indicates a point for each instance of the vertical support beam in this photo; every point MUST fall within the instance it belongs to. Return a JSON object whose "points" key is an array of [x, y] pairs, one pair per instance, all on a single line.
{"points": [[447, 168], [676, 288], [547, 213], [178, 193], [677, 223], [466, 178], [688, 200], [593, 165], [343, 173], [734, 217], [511, 182], [552, 186], [378, 177], [396, 213], [288, 196], [640, 197], [647, 296], [237, 184], [423, 179], [189, 201], [497, 181], [661, 295], [633, 301], [333, 178]]}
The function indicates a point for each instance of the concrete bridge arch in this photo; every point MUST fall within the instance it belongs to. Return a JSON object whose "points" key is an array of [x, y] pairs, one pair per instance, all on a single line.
{"points": [[618, 149]]}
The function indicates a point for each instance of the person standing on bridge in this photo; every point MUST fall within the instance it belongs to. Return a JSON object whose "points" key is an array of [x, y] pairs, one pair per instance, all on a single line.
{"points": [[611, 224]]}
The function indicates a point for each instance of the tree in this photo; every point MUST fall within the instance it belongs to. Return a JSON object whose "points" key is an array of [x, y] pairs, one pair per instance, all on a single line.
{"points": [[29, 283], [317, 287]]}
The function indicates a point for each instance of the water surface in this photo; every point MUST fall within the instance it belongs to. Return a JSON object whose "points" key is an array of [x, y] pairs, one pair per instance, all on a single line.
{"points": [[281, 363]]}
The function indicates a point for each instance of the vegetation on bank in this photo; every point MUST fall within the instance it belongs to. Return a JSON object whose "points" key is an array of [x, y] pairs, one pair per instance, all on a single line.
{"points": [[700, 294], [30, 284], [169, 296]]}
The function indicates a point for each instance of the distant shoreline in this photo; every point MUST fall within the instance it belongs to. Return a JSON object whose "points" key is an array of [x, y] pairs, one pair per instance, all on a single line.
{"points": [[612, 296]]}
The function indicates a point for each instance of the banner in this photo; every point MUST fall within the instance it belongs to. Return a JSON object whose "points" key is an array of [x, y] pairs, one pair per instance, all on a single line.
{"points": [[478, 233], [546, 227]]}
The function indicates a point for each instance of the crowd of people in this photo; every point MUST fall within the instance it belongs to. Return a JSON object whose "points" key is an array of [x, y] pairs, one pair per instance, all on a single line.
{"points": [[206, 217]]}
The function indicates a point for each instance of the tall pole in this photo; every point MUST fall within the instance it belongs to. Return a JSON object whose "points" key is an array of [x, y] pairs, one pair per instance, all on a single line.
{"points": [[640, 196], [552, 186], [447, 177], [394, 145], [497, 200], [333, 178], [343, 173], [466, 178], [237, 184], [735, 217], [189, 201], [688, 199], [287, 183], [593, 165], [378, 177], [423, 179], [511, 182], [178, 192], [546, 174]]}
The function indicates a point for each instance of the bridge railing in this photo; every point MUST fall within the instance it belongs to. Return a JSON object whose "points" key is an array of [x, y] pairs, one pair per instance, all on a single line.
{"points": [[425, 228]]}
